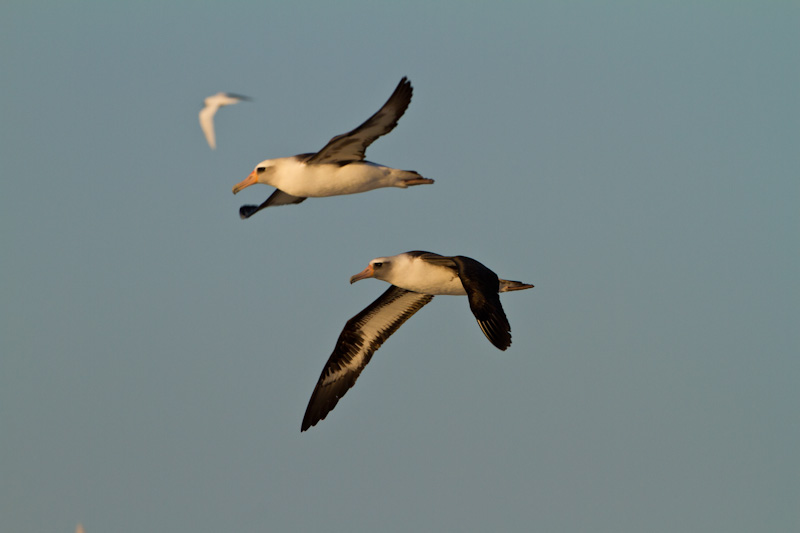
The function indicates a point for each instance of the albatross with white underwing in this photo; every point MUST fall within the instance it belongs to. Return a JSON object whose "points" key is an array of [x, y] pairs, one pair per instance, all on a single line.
{"points": [[339, 168], [416, 277], [212, 104]]}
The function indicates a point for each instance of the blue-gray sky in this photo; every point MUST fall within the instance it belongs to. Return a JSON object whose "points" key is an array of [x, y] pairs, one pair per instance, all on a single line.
{"points": [[637, 162]]}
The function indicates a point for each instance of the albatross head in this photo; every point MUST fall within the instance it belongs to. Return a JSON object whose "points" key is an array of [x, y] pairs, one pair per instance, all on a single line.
{"points": [[378, 268], [260, 174]]}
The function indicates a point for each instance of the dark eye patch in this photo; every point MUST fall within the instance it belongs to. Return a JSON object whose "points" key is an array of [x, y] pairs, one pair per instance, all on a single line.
{"points": [[377, 265], [261, 169]]}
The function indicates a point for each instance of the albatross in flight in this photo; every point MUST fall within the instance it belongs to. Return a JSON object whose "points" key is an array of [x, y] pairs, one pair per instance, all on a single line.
{"points": [[212, 103], [339, 168], [415, 278]]}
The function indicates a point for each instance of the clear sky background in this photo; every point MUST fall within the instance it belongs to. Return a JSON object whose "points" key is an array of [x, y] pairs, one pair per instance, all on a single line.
{"points": [[637, 162]]}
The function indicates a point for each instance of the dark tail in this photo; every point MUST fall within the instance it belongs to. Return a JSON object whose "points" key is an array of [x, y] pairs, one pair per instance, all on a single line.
{"points": [[507, 285]]}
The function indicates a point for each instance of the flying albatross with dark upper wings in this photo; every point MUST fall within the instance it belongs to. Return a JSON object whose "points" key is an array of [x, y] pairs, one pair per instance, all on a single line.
{"points": [[415, 278], [339, 168]]}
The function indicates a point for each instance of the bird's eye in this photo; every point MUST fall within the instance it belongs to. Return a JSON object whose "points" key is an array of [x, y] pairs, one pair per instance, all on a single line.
{"points": [[377, 265], [261, 169]]}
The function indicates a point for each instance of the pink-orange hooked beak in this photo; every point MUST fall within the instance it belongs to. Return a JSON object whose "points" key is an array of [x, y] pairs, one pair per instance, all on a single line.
{"points": [[366, 273], [248, 181]]}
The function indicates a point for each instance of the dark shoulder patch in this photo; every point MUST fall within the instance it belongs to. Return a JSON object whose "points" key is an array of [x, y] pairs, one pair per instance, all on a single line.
{"points": [[418, 253]]}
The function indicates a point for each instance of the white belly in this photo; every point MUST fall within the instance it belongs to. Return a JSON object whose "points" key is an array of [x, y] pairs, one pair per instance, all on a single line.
{"points": [[332, 180], [429, 279]]}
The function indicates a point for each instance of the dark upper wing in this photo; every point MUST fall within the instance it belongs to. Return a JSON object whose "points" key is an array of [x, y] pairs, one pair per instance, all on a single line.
{"points": [[352, 145], [482, 285], [277, 198], [435, 259], [362, 335]]}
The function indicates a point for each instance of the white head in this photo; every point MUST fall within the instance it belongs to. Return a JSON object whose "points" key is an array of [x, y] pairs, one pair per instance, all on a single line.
{"points": [[378, 268], [260, 174]]}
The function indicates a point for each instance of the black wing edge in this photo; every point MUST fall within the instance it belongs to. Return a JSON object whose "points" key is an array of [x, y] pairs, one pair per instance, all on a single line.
{"points": [[400, 100], [276, 198], [325, 398], [482, 285]]}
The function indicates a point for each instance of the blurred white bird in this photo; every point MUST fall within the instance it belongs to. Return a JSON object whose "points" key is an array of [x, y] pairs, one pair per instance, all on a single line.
{"points": [[212, 103]]}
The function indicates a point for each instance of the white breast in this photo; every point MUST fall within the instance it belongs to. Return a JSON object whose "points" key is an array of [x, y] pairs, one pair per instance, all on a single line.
{"points": [[416, 275], [298, 179]]}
